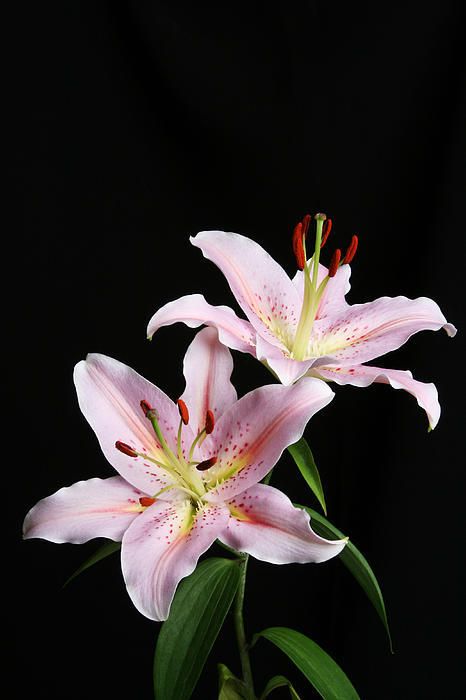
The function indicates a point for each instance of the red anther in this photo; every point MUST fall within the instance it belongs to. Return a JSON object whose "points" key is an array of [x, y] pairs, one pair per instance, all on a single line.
{"points": [[183, 409], [305, 223], [334, 263], [146, 501], [146, 407], [126, 449], [209, 422], [326, 232], [298, 247], [206, 464], [351, 252]]}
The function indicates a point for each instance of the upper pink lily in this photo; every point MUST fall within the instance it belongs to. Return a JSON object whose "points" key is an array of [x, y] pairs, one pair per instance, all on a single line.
{"points": [[304, 326], [188, 473]]}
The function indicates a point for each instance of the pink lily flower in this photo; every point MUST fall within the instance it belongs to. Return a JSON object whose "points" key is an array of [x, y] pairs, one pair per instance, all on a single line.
{"points": [[304, 326], [188, 473]]}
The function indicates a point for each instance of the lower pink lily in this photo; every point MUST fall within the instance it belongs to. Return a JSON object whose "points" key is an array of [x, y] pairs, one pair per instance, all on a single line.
{"points": [[188, 473], [304, 326]]}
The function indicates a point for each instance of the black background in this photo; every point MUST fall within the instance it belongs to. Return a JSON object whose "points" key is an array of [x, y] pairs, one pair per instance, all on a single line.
{"points": [[138, 124]]}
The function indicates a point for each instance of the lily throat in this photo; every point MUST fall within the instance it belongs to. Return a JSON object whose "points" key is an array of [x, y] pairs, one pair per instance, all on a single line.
{"points": [[186, 472]]}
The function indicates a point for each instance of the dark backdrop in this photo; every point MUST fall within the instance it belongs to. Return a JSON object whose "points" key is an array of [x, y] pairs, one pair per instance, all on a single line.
{"points": [[137, 124]]}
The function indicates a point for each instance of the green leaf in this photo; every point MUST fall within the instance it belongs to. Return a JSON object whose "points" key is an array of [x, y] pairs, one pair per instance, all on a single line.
{"points": [[230, 687], [279, 682], [104, 551], [302, 455], [196, 617], [356, 563], [319, 668]]}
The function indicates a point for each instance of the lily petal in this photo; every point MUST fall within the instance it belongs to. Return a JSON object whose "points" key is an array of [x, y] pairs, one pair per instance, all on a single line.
{"points": [[261, 286], [366, 331], [207, 369], [109, 395], [87, 509], [333, 299], [286, 369], [163, 546], [250, 437], [265, 524], [364, 375], [194, 311]]}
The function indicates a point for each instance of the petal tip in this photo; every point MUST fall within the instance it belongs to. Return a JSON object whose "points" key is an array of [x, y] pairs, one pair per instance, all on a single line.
{"points": [[450, 329]]}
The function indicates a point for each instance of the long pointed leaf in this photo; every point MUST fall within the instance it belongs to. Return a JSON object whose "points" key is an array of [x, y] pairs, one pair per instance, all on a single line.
{"points": [[356, 563], [319, 668], [186, 638], [279, 682], [104, 551], [302, 455]]}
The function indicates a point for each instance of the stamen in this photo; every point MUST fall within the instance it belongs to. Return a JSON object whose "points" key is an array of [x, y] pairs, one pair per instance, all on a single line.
{"points": [[351, 252], [146, 501], [206, 464], [183, 409], [126, 449], [146, 407], [209, 422], [326, 232], [305, 223], [153, 417], [298, 247], [334, 263]]}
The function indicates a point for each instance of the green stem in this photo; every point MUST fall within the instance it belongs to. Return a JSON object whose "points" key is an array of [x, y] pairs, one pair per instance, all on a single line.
{"points": [[240, 633]]}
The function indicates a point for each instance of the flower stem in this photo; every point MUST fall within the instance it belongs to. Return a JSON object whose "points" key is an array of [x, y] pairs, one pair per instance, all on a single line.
{"points": [[240, 633]]}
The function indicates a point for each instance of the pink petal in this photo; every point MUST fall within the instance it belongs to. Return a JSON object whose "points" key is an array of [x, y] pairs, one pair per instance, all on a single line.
{"points": [[251, 436], [364, 375], [109, 395], [265, 523], [207, 369], [284, 368], [194, 311], [163, 546], [87, 509], [261, 286], [333, 299], [366, 331]]}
